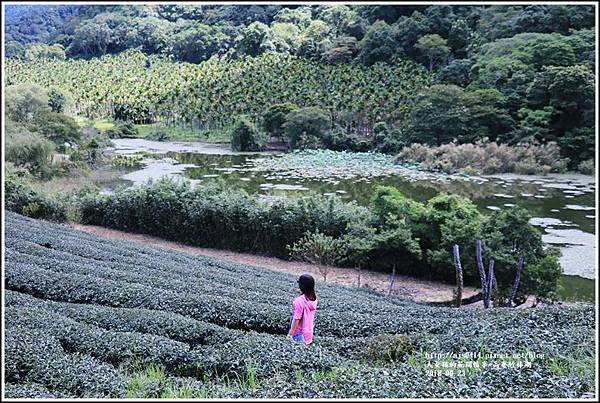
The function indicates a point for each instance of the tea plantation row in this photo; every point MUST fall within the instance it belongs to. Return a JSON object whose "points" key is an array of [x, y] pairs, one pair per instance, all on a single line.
{"points": [[81, 311]]}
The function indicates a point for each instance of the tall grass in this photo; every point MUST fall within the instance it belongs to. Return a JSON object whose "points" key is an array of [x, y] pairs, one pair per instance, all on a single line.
{"points": [[485, 157]]}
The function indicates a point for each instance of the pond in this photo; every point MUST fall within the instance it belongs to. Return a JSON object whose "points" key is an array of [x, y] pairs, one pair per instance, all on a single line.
{"points": [[562, 205]]}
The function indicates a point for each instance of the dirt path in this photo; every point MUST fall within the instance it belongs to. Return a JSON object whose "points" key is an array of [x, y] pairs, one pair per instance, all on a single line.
{"points": [[404, 286]]}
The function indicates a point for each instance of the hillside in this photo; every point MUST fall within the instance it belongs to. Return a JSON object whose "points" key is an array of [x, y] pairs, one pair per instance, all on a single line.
{"points": [[89, 316], [213, 92]]}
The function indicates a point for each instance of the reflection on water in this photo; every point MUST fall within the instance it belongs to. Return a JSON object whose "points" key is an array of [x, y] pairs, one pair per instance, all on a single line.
{"points": [[575, 288], [563, 206], [156, 168]]}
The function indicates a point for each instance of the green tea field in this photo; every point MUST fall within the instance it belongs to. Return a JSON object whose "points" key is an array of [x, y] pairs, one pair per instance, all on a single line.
{"points": [[91, 317]]}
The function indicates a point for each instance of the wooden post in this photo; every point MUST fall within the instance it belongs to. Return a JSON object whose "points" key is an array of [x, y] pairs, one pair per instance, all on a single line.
{"points": [[324, 271], [358, 277], [459, 275], [479, 253], [491, 283], [515, 286], [392, 279]]}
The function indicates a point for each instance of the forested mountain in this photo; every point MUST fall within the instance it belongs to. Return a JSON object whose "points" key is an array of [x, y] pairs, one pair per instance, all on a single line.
{"points": [[507, 73], [332, 32], [33, 23]]}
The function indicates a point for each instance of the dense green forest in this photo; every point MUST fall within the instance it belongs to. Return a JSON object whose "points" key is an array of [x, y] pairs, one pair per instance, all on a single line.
{"points": [[365, 77]]}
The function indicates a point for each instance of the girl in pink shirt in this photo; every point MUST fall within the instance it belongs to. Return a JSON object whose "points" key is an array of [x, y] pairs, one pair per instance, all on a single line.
{"points": [[304, 308]]}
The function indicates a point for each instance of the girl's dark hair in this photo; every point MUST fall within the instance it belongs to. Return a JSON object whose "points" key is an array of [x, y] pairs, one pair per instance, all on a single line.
{"points": [[306, 282]]}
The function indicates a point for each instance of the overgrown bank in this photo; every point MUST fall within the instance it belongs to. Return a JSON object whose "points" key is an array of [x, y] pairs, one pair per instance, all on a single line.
{"points": [[392, 233]]}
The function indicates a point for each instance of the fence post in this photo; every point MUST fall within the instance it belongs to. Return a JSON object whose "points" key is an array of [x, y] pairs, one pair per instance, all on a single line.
{"points": [[459, 275], [392, 279], [479, 252], [491, 282], [515, 286]]}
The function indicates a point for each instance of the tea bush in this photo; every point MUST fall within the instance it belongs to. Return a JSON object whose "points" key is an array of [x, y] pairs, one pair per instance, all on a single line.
{"points": [[33, 356], [81, 309], [177, 327], [31, 391], [388, 347], [110, 346]]}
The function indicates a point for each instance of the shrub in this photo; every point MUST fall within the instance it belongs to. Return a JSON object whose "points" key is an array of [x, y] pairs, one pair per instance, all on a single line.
{"points": [[56, 100], [23, 198], [380, 246], [123, 130], [587, 167], [386, 140], [268, 354], [578, 144], [122, 302], [58, 128], [80, 375], [35, 356], [27, 149], [306, 128], [220, 218], [136, 113], [173, 326], [245, 136], [509, 235], [416, 238], [339, 140], [275, 116], [445, 221], [26, 350], [32, 391], [317, 248], [25, 101], [429, 231], [110, 346]]}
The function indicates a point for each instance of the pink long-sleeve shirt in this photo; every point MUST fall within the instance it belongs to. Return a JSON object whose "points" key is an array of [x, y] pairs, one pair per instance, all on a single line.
{"points": [[304, 310]]}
